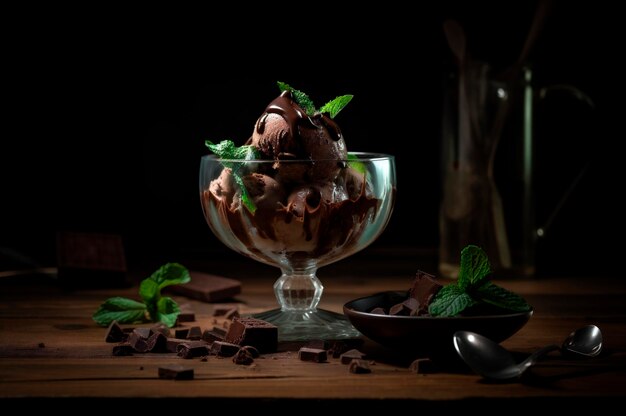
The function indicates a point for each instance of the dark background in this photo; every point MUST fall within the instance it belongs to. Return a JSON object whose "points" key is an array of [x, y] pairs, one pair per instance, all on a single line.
{"points": [[108, 120]]}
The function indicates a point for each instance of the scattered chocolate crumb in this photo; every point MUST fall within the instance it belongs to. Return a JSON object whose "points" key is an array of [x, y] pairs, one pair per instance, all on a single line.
{"points": [[314, 355], [141, 368], [204, 359], [176, 372], [359, 367]]}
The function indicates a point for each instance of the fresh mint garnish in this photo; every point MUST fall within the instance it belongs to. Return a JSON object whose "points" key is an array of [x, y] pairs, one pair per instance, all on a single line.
{"points": [[226, 149], [333, 107], [473, 287], [154, 307], [353, 162], [301, 98]]}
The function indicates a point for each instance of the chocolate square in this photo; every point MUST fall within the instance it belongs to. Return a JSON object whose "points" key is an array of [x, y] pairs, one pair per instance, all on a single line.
{"points": [[255, 332]]}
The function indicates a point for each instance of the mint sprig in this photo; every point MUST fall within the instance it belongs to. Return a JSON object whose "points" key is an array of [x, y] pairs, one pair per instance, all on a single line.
{"points": [[226, 149], [473, 287], [155, 307], [332, 108]]}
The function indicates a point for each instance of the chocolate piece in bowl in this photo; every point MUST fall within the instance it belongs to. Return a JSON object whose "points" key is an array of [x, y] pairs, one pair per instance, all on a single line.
{"points": [[255, 332], [424, 289]]}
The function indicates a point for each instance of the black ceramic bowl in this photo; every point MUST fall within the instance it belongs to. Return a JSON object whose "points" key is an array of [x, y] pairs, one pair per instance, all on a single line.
{"points": [[425, 335]]}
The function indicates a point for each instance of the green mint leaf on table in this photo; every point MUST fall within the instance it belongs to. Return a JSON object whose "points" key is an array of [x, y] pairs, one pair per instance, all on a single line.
{"points": [[333, 107], [226, 149], [301, 98], [500, 297], [473, 287], [474, 266], [122, 310], [155, 307], [450, 301]]}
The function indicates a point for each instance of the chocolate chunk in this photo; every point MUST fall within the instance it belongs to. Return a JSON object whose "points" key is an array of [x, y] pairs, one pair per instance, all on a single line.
{"points": [[139, 343], [211, 336], [348, 356], [243, 357], [228, 312], [224, 349], [91, 260], [207, 287], [172, 344], [251, 350], [41, 345], [378, 311], [423, 366], [220, 330], [186, 317], [181, 333], [359, 367], [251, 331], [161, 328], [424, 289], [407, 308], [115, 333], [157, 342], [176, 372], [397, 309], [123, 350], [195, 333], [142, 332], [338, 348], [319, 344], [192, 349], [315, 355]]}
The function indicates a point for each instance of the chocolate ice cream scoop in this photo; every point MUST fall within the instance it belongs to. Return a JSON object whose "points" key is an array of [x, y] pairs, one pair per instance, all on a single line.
{"points": [[285, 132]]}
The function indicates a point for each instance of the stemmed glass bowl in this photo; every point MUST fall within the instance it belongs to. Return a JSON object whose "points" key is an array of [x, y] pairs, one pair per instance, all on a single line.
{"points": [[299, 215]]}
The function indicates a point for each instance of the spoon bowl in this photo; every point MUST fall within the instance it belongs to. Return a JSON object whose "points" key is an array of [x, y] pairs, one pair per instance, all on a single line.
{"points": [[492, 361]]}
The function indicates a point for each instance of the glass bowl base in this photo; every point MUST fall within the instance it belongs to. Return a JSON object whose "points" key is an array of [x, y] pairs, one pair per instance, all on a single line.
{"points": [[309, 325]]}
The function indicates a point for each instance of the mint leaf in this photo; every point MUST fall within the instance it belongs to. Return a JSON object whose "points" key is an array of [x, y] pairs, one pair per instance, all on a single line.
{"points": [[474, 267], [353, 162], [122, 310], [450, 301], [226, 149], [301, 98], [501, 297], [167, 311], [150, 288], [333, 107]]}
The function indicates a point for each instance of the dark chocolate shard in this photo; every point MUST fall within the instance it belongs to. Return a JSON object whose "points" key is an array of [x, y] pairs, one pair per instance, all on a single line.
{"points": [[359, 367], [138, 343], [224, 349], [181, 333], [207, 287], [142, 332], [378, 311], [314, 355], [424, 289], [122, 350], [157, 343], [251, 331], [243, 357], [407, 308], [423, 366], [195, 333], [192, 349], [172, 344], [186, 317], [161, 328], [212, 336], [348, 356], [115, 333], [176, 372]]}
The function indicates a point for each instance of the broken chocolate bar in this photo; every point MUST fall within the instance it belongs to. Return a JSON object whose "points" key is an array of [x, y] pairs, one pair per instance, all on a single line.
{"points": [[176, 372], [348, 356], [192, 349], [314, 355], [424, 289], [224, 349], [195, 333], [139, 343], [251, 331], [207, 287], [115, 333], [157, 343], [160, 327], [359, 367]]}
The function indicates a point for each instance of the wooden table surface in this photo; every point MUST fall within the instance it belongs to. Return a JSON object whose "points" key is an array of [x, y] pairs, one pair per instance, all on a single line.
{"points": [[76, 362]]}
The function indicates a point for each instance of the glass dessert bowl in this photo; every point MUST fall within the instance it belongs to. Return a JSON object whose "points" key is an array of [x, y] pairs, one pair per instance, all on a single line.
{"points": [[299, 215]]}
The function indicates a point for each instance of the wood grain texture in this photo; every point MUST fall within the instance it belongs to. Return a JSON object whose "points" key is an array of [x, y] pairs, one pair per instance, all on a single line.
{"points": [[76, 362]]}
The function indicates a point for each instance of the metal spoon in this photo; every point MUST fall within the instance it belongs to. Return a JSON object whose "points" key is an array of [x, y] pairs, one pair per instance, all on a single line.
{"points": [[490, 360]]}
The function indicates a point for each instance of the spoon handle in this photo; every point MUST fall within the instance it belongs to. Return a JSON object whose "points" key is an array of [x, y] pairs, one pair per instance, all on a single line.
{"points": [[537, 355]]}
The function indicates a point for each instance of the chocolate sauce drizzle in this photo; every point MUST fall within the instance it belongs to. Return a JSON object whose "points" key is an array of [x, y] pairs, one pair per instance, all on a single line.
{"points": [[285, 106]]}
